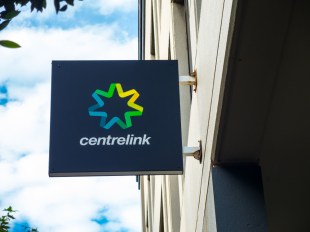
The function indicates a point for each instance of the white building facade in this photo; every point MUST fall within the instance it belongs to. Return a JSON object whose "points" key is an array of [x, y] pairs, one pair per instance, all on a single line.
{"points": [[249, 113]]}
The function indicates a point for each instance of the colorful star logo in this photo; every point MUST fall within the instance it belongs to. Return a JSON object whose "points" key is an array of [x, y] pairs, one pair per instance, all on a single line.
{"points": [[104, 123]]}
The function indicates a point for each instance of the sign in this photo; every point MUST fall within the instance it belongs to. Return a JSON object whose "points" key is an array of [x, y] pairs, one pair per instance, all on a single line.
{"points": [[115, 118]]}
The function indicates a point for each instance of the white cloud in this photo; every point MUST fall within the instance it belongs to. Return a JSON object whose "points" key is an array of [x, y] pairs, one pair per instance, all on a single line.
{"points": [[24, 123], [109, 7], [68, 204], [103, 7], [40, 47], [56, 204]]}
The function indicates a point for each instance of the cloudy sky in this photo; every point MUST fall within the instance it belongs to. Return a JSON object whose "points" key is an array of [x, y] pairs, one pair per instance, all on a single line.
{"points": [[91, 30]]}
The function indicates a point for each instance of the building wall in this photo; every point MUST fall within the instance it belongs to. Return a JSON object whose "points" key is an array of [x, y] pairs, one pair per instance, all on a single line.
{"points": [[177, 35], [250, 111]]}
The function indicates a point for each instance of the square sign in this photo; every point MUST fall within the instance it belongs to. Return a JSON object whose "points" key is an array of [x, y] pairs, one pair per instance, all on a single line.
{"points": [[115, 118]]}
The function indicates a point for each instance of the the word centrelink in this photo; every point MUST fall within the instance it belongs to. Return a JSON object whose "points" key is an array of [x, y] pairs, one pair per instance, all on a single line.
{"points": [[110, 140]]}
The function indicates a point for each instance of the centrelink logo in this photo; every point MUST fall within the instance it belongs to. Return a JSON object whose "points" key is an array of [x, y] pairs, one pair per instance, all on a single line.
{"points": [[106, 123], [138, 110]]}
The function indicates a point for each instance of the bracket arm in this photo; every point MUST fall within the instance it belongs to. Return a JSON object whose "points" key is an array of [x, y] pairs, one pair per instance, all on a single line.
{"points": [[189, 80], [195, 152]]}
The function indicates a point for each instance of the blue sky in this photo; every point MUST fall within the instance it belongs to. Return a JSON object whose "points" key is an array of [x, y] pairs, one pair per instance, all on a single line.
{"points": [[3, 95], [86, 14], [91, 30]]}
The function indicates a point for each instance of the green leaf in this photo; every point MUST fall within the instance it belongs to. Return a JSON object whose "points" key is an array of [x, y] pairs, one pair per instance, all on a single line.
{"points": [[8, 209], [9, 5], [23, 2], [57, 6], [63, 8], [10, 216], [9, 44], [11, 14], [2, 13], [44, 4], [70, 2], [4, 24]]}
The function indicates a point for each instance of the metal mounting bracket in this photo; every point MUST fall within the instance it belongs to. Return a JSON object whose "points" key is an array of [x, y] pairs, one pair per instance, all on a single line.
{"points": [[189, 80], [196, 152]]}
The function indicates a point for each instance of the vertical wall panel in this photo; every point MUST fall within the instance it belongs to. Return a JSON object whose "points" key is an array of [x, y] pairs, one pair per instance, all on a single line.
{"points": [[239, 199]]}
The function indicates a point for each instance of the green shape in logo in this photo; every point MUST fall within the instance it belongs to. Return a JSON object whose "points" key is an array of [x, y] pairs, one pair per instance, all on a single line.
{"points": [[115, 120]]}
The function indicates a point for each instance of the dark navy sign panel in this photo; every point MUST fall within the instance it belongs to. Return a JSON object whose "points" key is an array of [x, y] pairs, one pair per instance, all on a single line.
{"points": [[91, 134]]}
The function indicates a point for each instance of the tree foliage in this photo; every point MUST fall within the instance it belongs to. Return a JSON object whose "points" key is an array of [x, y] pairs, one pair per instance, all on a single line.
{"points": [[10, 9], [6, 219]]}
